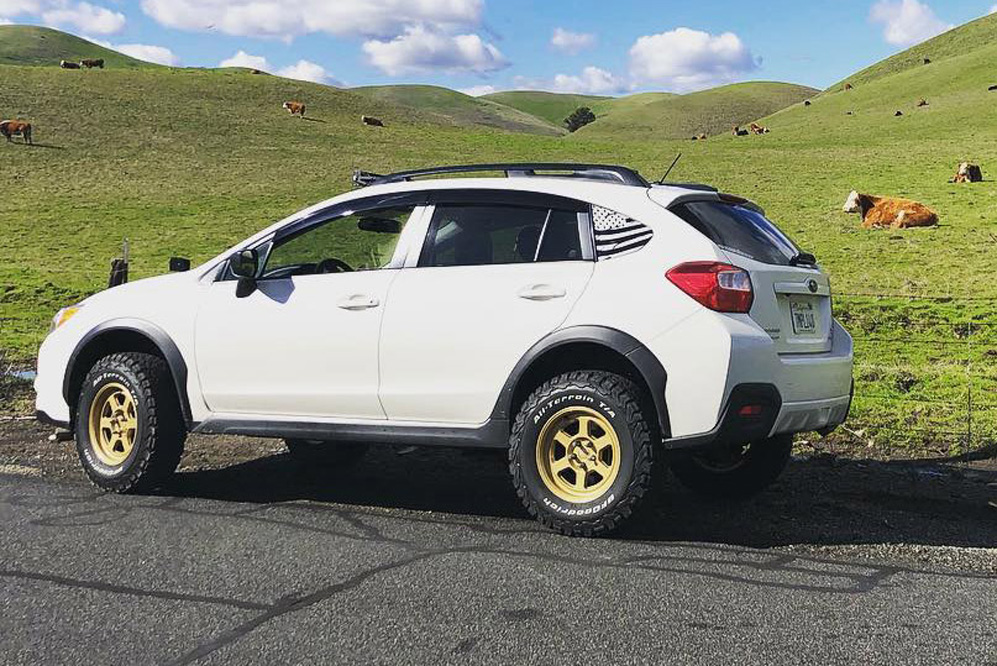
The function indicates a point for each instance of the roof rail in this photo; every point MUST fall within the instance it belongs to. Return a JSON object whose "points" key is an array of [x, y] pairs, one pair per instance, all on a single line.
{"points": [[690, 186], [617, 174]]}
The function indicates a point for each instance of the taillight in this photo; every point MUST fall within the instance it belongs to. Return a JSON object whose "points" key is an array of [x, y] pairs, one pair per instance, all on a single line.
{"points": [[718, 286]]}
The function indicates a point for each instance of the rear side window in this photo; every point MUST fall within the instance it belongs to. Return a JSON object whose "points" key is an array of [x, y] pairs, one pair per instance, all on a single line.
{"points": [[482, 234], [739, 229]]}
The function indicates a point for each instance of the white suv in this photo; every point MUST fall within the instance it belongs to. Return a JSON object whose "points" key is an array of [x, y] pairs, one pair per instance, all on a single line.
{"points": [[576, 316]]}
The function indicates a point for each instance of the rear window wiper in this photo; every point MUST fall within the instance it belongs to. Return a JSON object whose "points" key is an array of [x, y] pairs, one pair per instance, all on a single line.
{"points": [[803, 259]]}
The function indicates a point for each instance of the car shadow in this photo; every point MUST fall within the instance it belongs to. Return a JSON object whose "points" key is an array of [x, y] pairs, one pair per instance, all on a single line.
{"points": [[819, 501]]}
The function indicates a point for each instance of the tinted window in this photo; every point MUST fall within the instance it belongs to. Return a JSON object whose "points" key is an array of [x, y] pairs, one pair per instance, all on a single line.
{"points": [[358, 241], [473, 234], [739, 229]]}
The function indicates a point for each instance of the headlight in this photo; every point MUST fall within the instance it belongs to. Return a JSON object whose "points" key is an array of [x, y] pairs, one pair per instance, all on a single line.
{"points": [[64, 315]]}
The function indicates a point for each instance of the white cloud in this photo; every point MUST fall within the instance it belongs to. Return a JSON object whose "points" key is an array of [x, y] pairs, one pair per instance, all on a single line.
{"points": [[149, 53], [280, 19], [907, 22], [478, 91], [993, 10], [249, 61], [82, 16], [592, 81], [571, 43], [305, 70], [684, 59], [12, 8], [424, 49]]}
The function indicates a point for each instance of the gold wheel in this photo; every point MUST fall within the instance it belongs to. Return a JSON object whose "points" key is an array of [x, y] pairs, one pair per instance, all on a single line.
{"points": [[113, 424], [578, 454]]}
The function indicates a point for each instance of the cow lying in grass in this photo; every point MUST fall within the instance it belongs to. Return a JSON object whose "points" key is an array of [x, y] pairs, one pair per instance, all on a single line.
{"points": [[12, 128], [968, 173], [90, 63], [370, 121], [889, 212], [758, 129], [65, 64]]}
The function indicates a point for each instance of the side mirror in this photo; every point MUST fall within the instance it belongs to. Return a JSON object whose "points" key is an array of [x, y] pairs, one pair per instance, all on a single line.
{"points": [[244, 264], [179, 264]]}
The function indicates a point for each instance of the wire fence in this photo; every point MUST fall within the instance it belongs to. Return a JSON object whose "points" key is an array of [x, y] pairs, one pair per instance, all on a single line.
{"points": [[925, 370]]}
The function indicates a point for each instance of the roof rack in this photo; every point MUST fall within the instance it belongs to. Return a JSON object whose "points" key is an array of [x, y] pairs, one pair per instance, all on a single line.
{"points": [[617, 174]]}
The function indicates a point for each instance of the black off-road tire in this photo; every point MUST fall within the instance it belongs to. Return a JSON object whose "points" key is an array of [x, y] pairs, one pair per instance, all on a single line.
{"points": [[761, 465], [161, 429], [341, 455], [618, 400]]}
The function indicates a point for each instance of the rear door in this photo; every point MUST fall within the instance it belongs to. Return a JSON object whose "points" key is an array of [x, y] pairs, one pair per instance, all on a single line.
{"points": [[792, 303], [497, 272]]}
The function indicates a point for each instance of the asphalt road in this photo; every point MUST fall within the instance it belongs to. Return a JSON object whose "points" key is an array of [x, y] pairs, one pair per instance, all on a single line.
{"points": [[422, 560]]}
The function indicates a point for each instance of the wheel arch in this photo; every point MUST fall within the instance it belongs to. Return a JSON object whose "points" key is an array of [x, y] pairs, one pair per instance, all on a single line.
{"points": [[586, 348], [125, 335]]}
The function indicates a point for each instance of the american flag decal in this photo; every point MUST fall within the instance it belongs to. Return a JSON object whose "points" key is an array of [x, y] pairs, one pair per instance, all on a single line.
{"points": [[617, 234]]}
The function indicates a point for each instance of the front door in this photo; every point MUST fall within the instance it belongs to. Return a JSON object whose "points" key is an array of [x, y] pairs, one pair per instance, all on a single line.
{"points": [[304, 343]]}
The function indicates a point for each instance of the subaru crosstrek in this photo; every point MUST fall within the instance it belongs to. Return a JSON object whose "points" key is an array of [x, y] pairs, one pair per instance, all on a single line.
{"points": [[577, 316]]}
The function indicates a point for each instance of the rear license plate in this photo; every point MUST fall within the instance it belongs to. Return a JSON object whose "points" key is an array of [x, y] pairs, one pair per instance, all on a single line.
{"points": [[804, 317]]}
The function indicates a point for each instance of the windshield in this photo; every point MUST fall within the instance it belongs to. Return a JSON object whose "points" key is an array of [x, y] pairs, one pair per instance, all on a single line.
{"points": [[739, 229]]}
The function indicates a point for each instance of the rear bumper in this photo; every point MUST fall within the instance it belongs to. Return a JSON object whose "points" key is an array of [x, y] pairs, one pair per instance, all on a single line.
{"points": [[795, 393]]}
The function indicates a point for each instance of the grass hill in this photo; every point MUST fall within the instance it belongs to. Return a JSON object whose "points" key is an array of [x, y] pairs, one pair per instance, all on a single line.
{"points": [[460, 109], [552, 107], [960, 41], [30, 45], [713, 111]]}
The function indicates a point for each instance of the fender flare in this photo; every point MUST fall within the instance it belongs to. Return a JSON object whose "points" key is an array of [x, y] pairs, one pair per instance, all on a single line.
{"points": [[646, 363], [157, 336]]}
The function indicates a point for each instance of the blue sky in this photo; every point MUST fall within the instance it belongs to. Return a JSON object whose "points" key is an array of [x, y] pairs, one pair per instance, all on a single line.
{"points": [[588, 46]]}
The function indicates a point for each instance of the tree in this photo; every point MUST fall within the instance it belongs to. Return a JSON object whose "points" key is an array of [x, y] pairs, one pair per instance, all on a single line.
{"points": [[580, 117]]}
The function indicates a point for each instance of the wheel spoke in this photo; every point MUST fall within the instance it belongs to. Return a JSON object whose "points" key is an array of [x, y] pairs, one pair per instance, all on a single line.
{"points": [[602, 469], [106, 422], [585, 426], [561, 464], [580, 479], [563, 438]]}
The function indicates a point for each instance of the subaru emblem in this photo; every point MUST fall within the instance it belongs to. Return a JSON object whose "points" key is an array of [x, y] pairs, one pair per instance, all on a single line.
{"points": [[812, 286]]}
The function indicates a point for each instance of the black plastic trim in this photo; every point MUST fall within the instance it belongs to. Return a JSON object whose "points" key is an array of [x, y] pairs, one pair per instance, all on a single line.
{"points": [[166, 346], [43, 417], [494, 434], [647, 365], [611, 172], [731, 428]]}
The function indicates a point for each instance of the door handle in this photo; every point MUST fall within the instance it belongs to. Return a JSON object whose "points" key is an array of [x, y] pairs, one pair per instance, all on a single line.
{"points": [[358, 302], [542, 292]]}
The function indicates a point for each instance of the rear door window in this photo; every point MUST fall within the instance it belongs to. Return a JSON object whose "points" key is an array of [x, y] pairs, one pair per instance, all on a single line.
{"points": [[740, 229], [483, 234]]}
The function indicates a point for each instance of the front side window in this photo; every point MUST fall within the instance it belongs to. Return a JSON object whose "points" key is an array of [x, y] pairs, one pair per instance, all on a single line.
{"points": [[481, 234], [355, 242]]}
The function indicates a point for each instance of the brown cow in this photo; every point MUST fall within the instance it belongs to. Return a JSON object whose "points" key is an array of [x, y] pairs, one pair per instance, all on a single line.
{"points": [[12, 128], [370, 121], [90, 63], [927, 61], [968, 173], [737, 131], [887, 212], [295, 108], [848, 86], [758, 129], [65, 64]]}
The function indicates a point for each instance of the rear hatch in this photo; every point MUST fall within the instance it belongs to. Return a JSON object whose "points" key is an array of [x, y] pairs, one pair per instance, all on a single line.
{"points": [[792, 297]]}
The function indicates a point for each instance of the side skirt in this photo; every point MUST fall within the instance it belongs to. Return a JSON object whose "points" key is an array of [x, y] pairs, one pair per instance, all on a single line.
{"points": [[494, 434]]}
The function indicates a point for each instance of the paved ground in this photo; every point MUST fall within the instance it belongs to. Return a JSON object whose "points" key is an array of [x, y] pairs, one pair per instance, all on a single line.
{"points": [[427, 558]]}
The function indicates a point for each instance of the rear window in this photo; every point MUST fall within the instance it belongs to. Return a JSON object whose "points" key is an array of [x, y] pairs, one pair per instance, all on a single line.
{"points": [[739, 229]]}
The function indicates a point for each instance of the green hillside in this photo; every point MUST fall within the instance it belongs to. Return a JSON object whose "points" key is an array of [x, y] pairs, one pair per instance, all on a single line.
{"points": [[30, 45], [460, 109], [552, 107], [682, 116], [958, 42]]}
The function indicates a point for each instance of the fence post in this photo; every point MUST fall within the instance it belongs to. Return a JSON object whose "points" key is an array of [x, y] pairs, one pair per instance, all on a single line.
{"points": [[969, 391]]}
